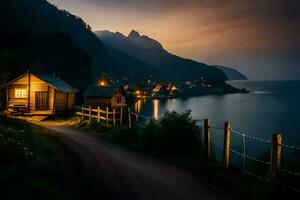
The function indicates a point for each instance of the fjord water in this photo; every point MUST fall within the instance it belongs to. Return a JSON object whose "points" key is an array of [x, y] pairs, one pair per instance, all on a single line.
{"points": [[271, 107]]}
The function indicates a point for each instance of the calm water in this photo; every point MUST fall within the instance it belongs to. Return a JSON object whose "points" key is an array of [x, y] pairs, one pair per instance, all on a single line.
{"points": [[273, 106]]}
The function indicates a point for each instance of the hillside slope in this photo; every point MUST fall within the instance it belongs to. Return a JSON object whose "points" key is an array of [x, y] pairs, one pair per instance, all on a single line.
{"points": [[231, 73], [152, 52], [40, 17]]}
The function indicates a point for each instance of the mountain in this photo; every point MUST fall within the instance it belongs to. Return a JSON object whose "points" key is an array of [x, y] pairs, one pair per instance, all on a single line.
{"points": [[150, 51], [232, 74], [39, 17], [43, 53]]}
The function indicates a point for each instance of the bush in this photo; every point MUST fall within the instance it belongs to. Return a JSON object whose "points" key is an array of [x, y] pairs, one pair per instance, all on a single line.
{"points": [[173, 133], [128, 137], [2, 100]]}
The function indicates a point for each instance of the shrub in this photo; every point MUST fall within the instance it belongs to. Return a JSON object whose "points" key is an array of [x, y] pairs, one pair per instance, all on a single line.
{"points": [[2, 100], [127, 137], [173, 133]]}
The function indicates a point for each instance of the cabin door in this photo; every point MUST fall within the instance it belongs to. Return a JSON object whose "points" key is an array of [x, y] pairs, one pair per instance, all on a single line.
{"points": [[41, 100]]}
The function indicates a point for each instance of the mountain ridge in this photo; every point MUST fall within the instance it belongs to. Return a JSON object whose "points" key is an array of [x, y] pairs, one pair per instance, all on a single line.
{"points": [[150, 51], [231, 73]]}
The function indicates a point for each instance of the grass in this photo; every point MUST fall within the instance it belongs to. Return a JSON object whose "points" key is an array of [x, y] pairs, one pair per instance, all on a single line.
{"points": [[31, 165]]}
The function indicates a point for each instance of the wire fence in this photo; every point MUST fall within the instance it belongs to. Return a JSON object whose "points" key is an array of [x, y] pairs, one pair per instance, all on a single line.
{"points": [[258, 165], [249, 153]]}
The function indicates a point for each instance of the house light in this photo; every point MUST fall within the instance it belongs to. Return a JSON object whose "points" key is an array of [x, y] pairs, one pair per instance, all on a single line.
{"points": [[102, 83], [173, 88], [20, 93]]}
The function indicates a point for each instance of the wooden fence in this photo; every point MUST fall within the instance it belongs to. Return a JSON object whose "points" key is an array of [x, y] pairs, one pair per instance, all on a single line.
{"points": [[274, 162], [109, 116]]}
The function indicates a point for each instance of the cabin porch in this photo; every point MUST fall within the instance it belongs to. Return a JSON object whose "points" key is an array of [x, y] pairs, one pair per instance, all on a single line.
{"points": [[23, 111]]}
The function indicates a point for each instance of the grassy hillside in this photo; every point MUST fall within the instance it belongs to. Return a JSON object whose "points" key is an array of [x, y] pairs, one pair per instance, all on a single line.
{"points": [[31, 165], [43, 53], [40, 17]]}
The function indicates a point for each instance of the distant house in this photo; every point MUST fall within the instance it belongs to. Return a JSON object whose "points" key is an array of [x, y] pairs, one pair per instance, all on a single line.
{"points": [[104, 96], [35, 94]]}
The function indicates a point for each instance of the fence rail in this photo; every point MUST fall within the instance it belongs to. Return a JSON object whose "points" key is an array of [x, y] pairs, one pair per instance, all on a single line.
{"points": [[275, 161], [107, 115], [275, 145]]}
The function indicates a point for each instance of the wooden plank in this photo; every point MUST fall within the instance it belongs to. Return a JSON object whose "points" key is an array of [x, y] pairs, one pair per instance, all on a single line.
{"points": [[121, 115], [275, 160], [98, 114], [207, 138], [226, 150], [85, 109], [28, 95], [129, 118], [114, 116], [106, 115], [90, 114]]}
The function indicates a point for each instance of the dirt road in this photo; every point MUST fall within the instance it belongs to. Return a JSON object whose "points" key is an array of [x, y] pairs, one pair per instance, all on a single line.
{"points": [[127, 175]]}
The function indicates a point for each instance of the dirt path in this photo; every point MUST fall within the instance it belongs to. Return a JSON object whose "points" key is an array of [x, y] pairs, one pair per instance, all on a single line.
{"points": [[127, 175]]}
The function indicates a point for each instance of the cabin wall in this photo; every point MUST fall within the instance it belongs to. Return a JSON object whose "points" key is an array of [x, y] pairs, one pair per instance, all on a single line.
{"points": [[56, 101], [22, 83], [51, 98], [97, 101], [114, 102], [11, 94], [37, 85], [71, 101], [61, 101], [117, 95]]}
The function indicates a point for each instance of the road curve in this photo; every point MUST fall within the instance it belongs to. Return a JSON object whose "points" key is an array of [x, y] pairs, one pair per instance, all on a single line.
{"points": [[128, 175]]}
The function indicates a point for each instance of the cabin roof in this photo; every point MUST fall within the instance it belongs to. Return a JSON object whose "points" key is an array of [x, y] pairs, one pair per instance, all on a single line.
{"points": [[53, 81], [57, 83], [99, 91]]}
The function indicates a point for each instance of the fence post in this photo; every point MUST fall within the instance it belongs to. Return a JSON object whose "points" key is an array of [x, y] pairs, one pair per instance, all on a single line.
{"points": [[82, 117], [121, 115], [276, 153], [129, 118], [226, 148], [107, 116], [114, 116], [98, 114], [90, 114], [207, 138]]}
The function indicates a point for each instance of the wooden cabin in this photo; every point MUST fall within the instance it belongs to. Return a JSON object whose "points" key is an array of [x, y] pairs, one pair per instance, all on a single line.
{"points": [[104, 96], [33, 94]]}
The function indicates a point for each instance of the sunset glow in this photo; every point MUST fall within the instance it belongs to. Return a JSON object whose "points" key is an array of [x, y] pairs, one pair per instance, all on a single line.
{"points": [[242, 34]]}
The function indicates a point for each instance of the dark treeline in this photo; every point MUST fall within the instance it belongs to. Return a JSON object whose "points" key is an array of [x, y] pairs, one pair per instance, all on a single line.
{"points": [[43, 53], [40, 17]]}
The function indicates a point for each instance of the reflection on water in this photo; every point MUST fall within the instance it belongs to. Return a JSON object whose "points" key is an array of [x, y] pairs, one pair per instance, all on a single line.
{"points": [[141, 106], [259, 115], [155, 109], [138, 105]]}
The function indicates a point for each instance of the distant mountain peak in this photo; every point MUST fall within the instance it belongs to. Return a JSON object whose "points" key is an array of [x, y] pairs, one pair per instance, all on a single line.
{"points": [[119, 34], [134, 34]]}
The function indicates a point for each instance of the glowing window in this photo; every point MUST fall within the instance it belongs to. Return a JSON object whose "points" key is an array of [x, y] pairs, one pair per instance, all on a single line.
{"points": [[20, 93]]}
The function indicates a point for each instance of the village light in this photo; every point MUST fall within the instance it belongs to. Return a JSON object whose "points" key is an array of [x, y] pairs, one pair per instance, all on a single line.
{"points": [[102, 83], [173, 88], [137, 92]]}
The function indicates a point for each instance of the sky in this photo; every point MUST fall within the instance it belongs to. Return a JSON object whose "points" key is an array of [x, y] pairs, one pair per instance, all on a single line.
{"points": [[260, 38]]}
